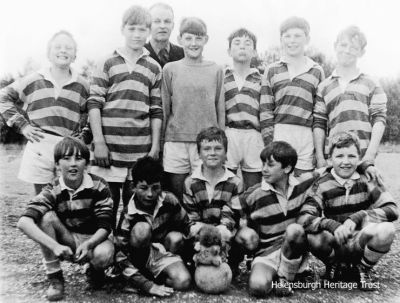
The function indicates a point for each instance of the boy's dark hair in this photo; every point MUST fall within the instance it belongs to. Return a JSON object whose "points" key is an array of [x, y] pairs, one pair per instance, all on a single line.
{"points": [[147, 169], [242, 32], [193, 25], [212, 134], [295, 22], [68, 147], [136, 15], [344, 139], [282, 152]]}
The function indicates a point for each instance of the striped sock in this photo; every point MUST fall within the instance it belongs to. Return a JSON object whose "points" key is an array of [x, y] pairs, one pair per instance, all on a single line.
{"points": [[288, 268], [371, 256], [52, 266]]}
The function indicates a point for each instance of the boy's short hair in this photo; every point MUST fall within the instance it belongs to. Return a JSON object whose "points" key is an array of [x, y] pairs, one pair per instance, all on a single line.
{"points": [[212, 134], [147, 169], [68, 146], [354, 34], [295, 22], [282, 152], [193, 25], [136, 15], [344, 139], [62, 32], [242, 32]]}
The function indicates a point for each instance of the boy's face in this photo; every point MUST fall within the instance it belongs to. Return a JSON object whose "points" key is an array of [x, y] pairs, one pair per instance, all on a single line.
{"points": [[294, 42], [62, 51], [71, 169], [347, 51], [135, 35], [212, 153], [273, 172], [162, 24], [345, 160], [242, 49], [147, 194], [193, 45]]}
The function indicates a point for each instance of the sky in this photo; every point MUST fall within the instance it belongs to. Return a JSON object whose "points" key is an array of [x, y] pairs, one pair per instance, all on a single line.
{"points": [[26, 26]]}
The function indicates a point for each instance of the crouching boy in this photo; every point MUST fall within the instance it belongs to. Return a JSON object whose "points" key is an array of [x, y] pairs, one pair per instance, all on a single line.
{"points": [[71, 218], [356, 227], [152, 227]]}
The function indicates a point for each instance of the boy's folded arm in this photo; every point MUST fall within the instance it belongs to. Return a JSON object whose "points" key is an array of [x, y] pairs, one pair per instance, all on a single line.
{"points": [[267, 106]]}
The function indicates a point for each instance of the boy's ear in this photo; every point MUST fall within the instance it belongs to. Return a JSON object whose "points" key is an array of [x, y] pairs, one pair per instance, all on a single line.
{"points": [[179, 39], [362, 52], [287, 169], [206, 38]]}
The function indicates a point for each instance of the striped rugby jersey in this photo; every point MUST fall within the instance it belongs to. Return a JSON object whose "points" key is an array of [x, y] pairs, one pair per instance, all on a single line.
{"points": [[242, 106], [59, 111], [84, 210], [288, 101], [168, 216], [224, 206], [128, 100], [357, 108], [329, 204], [269, 213]]}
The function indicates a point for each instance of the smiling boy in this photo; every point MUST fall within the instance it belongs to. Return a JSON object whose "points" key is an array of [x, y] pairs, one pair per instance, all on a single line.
{"points": [[192, 95], [347, 217], [125, 108], [291, 87], [71, 218], [349, 100]]}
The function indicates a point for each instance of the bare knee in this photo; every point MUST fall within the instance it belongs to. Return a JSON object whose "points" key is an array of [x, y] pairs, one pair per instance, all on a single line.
{"points": [[247, 238], [141, 234], [173, 241], [295, 233], [103, 255], [259, 286], [383, 234], [179, 277], [50, 218], [321, 244]]}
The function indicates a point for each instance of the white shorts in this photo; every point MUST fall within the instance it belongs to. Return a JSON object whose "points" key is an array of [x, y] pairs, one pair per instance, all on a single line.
{"points": [[180, 157], [301, 139], [274, 259], [112, 173], [244, 149], [37, 164]]}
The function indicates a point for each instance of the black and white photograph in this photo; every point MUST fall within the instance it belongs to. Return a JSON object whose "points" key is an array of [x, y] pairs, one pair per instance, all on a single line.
{"points": [[200, 151]]}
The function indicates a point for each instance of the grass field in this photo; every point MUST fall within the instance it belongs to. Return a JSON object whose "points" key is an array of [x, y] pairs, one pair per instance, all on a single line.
{"points": [[22, 278]]}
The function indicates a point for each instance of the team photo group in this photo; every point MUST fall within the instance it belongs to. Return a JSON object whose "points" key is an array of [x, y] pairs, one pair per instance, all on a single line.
{"points": [[167, 172]]}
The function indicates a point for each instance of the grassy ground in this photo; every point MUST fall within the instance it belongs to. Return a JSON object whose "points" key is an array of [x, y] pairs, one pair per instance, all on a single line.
{"points": [[22, 278]]}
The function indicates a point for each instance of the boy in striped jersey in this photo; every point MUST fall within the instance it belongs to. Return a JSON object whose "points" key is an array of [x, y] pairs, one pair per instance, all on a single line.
{"points": [[151, 229], [54, 102], [291, 86], [347, 217], [350, 100], [242, 85], [71, 218], [271, 209], [125, 109], [211, 196]]}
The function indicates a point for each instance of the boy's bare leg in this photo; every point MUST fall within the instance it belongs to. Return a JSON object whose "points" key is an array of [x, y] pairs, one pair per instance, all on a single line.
{"points": [[177, 276], [260, 280], [250, 178], [175, 184]]}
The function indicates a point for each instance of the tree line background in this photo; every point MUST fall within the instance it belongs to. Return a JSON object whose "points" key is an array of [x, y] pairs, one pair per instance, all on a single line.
{"points": [[391, 86]]}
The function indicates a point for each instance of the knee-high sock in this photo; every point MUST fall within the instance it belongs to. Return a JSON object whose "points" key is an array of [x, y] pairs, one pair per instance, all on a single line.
{"points": [[288, 268]]}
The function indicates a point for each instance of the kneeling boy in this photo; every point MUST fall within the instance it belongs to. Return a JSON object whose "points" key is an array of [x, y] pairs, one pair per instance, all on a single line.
{"points": [[152, 219], [356, 227], [71, 218]]}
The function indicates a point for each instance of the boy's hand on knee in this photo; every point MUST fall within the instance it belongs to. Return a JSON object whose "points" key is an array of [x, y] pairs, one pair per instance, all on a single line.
{"points": [[344, 232], [63, 252], [161, 290], [102, 155], [226, 235], [82, 252]]}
